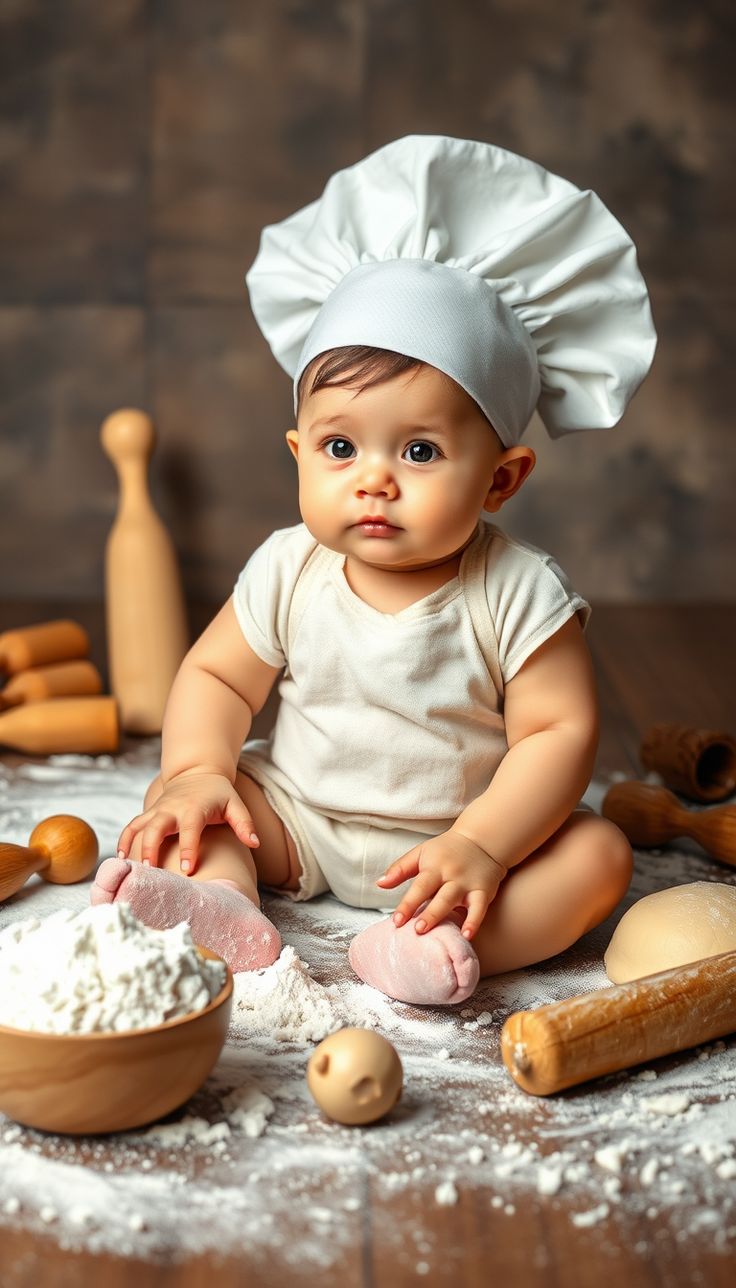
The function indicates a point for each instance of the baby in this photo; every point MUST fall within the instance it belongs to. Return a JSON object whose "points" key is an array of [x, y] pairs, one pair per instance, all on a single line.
{"points": [[438, 721]]}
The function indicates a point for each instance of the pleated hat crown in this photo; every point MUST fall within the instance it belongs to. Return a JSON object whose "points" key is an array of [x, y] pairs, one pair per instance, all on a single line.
{"points": [[520, 286]]}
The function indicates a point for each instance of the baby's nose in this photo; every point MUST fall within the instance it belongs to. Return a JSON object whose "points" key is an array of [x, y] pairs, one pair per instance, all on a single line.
{"points": [[377, 479]]}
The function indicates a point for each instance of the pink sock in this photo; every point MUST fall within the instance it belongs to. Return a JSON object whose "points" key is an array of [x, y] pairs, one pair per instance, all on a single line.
{"points": [[438, 968], [220, 916]]}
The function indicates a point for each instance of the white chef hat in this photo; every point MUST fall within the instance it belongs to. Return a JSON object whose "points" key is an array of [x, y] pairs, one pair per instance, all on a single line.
{"points": [[520, 286]]}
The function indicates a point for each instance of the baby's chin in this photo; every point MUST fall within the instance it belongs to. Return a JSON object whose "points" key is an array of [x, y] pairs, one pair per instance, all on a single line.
{"points": [[405, 552]]}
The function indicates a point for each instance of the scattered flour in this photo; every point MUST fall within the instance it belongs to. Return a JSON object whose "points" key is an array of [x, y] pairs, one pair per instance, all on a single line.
{"points": [[100, 970], [446, 1194], [674, 1103], [251, 1155], [283, 1001]]}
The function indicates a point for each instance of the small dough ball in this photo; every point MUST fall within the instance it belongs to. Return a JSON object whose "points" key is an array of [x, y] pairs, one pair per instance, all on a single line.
{"points": [[355, 1076], [672, 928]]}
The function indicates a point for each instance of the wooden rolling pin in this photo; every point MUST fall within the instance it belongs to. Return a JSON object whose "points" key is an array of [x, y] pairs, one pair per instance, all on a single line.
{"points": [[85, 725], [56, 641], [147, 634], [63, 849], [61, 680], [584, 1037], [651, 815]]}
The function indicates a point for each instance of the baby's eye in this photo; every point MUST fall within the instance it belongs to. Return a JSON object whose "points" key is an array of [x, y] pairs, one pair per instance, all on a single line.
{"points": [[342, 449], [421, 453]]}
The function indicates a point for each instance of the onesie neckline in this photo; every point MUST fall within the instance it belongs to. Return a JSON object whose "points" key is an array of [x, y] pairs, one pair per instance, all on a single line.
{"points": [[429, 604]]}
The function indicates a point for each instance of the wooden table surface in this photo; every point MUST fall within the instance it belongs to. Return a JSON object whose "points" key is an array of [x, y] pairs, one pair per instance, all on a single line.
{"points": [[654, 662]]}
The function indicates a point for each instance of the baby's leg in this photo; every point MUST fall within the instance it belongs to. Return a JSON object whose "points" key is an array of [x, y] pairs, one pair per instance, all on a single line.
{"points": [[220, 900], [543, 906], [568, 886]]}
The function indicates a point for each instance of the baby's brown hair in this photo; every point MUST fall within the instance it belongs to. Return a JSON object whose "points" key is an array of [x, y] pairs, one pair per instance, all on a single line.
{"points": [[354, 364], [360, 365]]}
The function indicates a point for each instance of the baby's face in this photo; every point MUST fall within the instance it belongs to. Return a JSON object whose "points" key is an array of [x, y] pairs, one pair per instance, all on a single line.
{"points": [[414, 451]]}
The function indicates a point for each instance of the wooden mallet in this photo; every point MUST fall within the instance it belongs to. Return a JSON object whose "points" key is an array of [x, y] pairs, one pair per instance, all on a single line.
{"points": [[566, 1043], [62, 849], [650, 815]]}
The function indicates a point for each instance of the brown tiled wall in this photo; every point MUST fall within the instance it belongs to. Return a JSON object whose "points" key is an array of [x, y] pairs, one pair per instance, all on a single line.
{"points": [[143, 147]]}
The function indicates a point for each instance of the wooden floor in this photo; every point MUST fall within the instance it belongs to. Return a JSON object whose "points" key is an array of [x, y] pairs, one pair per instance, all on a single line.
{"points": [[653, 663]]}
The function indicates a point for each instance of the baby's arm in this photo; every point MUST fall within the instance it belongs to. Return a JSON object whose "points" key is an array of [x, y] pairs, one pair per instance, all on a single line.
{"points": [[551, 718], [219, 687]]}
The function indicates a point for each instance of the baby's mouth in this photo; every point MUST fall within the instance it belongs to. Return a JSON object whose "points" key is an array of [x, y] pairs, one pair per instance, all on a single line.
{"points": [[376, 528]]}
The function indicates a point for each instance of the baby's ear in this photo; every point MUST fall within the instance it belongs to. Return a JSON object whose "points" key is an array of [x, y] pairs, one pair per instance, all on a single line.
{"points": [[512, 469], [292, 438]]}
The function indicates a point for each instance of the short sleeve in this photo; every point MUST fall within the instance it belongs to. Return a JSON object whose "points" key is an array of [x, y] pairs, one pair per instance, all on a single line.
{"points": [[530, 598], [263, 591]]}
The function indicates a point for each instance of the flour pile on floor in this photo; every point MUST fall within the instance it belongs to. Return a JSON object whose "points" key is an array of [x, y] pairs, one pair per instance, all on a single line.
{"points": [[283, 1001], [652, 1148]]}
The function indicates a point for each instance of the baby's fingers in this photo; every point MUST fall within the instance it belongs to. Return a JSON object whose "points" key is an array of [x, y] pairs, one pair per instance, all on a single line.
{"points": [[447, 898], [478, 906], [238, 818], [417, 894], [158, 826], [130, 832], [190, 834], [125, 840], [405, 867]]}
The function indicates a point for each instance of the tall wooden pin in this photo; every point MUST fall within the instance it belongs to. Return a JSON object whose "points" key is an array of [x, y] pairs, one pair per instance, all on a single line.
{"points": [[146, 620]]}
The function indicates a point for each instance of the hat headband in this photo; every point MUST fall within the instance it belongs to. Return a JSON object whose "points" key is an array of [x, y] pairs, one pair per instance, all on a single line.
{"points": [[446, 317]]}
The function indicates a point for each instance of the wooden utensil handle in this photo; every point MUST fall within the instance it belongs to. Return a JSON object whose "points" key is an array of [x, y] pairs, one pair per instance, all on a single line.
{"points": [[88, 725], [55, 641], [646, 814], [652, 815], [17, 864], [61, 679], [584, 1037], [715, 830], [699, 763]]}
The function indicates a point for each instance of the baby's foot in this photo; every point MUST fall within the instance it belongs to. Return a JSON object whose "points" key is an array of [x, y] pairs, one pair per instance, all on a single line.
{"points": [[437, 968], [221, 917]]}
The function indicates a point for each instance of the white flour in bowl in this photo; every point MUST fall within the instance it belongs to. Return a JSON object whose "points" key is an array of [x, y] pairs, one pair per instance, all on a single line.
{"points": [[100, 970]]}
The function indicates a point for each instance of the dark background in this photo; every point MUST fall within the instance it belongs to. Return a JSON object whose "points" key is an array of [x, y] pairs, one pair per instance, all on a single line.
{"points": [[143, 146]]}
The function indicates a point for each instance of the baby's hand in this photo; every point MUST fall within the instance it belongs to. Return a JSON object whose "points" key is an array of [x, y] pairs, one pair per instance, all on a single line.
{"points": [[188, 803], [453, 869]]}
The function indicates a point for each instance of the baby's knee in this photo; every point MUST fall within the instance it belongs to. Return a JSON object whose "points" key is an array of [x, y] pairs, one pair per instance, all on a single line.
{"points": [[605, 865], [614, 857]]}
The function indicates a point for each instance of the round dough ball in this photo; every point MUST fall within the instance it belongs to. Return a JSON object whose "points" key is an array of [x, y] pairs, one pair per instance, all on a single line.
{"points": [[672, 928], [355, 1076]]}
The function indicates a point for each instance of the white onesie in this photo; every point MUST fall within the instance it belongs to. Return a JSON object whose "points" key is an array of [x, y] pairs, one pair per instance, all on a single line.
{"points": [[390, 724]]}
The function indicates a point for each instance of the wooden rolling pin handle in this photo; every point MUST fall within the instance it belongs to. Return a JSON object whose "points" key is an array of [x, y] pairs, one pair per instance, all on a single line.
{"points": [[60, 680], [650, 815], [85, 725], [715, 830], [569, 1042], [63, 848], [643, 811], [56, 641], [17, 864]]}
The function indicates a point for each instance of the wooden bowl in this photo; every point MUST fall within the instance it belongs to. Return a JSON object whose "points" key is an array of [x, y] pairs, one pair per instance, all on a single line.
{"points": [[85, 1083]]}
